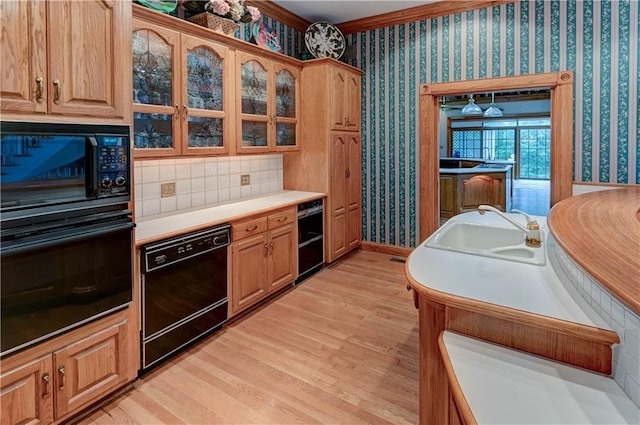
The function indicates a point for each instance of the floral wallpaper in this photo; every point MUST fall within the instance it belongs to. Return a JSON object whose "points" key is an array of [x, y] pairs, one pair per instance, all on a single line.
{"points": [[597, 40]]}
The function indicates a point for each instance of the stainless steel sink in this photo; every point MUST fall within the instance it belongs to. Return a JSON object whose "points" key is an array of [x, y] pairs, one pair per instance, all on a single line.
{"points": [[487, 241]]}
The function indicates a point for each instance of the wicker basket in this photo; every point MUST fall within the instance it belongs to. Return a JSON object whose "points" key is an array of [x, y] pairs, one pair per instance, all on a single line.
{"points": [[215, 22]]}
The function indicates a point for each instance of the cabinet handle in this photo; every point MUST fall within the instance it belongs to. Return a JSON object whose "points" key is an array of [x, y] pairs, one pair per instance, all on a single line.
{"points": [[176, 115], [266, 250], [61, 375], [185, 112], [347, 173], [45, 385], [252, 228], [270, 248], [281, 219], [56, 98], [40, 91]]}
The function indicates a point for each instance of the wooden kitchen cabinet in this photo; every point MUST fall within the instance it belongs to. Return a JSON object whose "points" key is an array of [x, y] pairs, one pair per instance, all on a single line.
{"points": [[264, 257], [27, 394], [268, 95], [331, 160], [346, 194], [46, 384], [345, 100], [88, 369], [182, 93], [249, 271], [65, 58], [464, 192]]}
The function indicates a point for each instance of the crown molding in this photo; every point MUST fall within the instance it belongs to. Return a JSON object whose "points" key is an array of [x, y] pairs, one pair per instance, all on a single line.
{"points": [[427, 11], [280, 14]]}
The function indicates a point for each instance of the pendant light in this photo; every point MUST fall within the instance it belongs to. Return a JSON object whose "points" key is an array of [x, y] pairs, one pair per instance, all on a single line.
{"points": [[471, 108], [493, 111]]}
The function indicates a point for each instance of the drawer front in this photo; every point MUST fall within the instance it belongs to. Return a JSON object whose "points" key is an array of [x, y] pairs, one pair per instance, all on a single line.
{"points": [[248, 228], [281, 218]]}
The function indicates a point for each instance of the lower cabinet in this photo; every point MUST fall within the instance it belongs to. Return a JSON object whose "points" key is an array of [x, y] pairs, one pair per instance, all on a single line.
{"points": [[463, 192], [264, 257], [59, 383], [27, 396]]}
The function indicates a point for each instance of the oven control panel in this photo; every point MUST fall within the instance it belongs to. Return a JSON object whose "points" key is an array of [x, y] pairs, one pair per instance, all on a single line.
{"points": [[113, 165]]}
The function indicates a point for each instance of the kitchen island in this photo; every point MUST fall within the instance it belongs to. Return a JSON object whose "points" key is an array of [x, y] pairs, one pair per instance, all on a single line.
{"points": [[463, 189], [524, 307]]}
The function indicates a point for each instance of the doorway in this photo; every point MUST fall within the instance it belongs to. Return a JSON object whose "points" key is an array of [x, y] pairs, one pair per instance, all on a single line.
{"points": [[561, 88], [516, 143]]}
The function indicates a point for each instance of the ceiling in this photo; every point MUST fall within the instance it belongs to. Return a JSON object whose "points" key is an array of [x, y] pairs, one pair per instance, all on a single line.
{"points": [[338, 11]]}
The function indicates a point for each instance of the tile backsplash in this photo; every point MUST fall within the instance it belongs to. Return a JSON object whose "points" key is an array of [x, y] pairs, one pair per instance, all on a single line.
{"points": [[203, 182], [626, 323]]}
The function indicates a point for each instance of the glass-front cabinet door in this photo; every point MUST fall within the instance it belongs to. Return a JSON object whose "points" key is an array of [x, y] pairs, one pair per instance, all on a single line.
{"points": [[255, 94], [181, 89], [155, 93], [269, 105], [204, 117], [287, 80]]}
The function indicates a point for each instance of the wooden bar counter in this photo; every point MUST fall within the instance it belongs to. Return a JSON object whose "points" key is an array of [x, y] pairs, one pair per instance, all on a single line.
{"points": [[600, 231]]}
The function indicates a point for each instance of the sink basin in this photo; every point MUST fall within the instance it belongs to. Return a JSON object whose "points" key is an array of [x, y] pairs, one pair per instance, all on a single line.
{"points": [[504, 243]]}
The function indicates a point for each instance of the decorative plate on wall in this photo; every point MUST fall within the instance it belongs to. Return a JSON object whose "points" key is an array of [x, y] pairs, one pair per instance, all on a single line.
{"points": [[324, 40], [265, 37]]}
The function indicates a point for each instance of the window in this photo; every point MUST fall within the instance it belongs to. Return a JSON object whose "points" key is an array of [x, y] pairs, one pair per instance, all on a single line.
{"points": [[526, 141]]}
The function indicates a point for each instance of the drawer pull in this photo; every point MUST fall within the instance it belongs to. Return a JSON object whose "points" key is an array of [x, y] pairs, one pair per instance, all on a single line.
{"points": [[61, 375], [281, 219], [45, 385], [252, 228]]}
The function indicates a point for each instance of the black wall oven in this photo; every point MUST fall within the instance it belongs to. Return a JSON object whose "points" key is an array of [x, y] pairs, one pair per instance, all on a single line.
{"points": [[66, 233], [310, 239]]}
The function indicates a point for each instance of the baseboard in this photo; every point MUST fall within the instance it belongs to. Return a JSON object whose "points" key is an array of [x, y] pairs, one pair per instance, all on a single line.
{"points": [[381, 248]]}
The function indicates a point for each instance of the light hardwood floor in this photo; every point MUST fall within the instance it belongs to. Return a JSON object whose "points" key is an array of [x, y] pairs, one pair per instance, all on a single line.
{"points": [[342, 347]]}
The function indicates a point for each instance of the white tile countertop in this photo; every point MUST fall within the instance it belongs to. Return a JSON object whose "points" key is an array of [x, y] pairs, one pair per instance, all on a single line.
{"points": [[526, 287], [504, 386], [153, 228]]}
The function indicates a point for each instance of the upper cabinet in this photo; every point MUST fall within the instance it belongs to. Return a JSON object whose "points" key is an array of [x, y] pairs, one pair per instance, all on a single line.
{"points": [[345, 100], [65, 58], [182, 93], [269, 96]]}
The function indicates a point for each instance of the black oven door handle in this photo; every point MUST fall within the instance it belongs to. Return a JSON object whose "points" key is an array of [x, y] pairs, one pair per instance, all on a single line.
{"points": [[310, 212], [50, 240], [92, 167]]}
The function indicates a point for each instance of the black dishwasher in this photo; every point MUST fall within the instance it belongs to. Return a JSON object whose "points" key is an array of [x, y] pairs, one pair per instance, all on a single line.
{"points": [[183, 291]]}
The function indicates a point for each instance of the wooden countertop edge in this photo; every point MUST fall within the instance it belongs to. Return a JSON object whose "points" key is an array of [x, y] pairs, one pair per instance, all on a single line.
{"points": [[454, 386], [564, 327], [620, 273], [239, 217]]}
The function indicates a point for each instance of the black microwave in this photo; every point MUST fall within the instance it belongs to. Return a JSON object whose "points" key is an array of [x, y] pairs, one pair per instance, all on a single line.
{"points": [[46, 166]]}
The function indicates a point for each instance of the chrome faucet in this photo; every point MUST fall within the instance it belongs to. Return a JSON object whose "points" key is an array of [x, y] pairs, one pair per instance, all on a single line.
{"points": [[532, 231]]}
